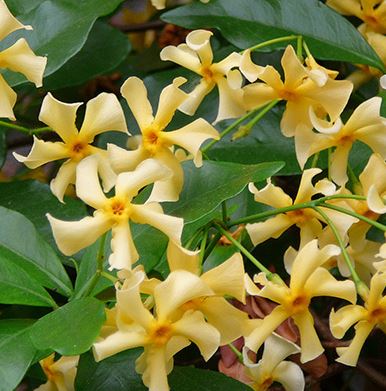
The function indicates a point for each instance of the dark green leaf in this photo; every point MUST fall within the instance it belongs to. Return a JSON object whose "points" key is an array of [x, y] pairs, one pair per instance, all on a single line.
{"points": [[383, 106], [22, 245], [34, 199], [16, 352], [71, 329], [105, 49], [246, 23], [18, 287], [114, 373], [60, 30]]}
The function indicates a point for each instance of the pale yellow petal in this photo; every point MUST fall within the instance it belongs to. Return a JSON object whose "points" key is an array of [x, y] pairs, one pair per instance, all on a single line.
{"points": [[191, 137], [339, 160], [106, 172], [374, 174], [290, 376], [306, 188], [309, 230], [135, 93], [248, 68], [322, 283], [122, 160], [174, 345], [170, 99], [233, 60], [309, 340], [181, 258], [295, 113], [72, 236], [8, 23], [374, 137], [43, 152], [103, 113], [227, 278], [294, 71], [258, 94], [20, 58], [377, 286], [304, 138], [65, 176], [375, 202], [8, 99], [195, 97], [181, 55], [275, 292], [88, 188], [346, 7], [60, 117], [271, 77], [123, 251], [153, 215], [155, 372], [271, 228], [199, 41], [271, 195], [366, 114], [179, 288], [193, 326], [324, 126], [344, 318]]}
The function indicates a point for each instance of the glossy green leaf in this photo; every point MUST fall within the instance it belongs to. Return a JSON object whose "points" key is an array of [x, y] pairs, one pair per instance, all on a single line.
{"points": [[71, 329], [104, 49], [16, 352], [22, 245], [246, 23], [18, 287], [34, 199], [61, 28], [114, 373]]}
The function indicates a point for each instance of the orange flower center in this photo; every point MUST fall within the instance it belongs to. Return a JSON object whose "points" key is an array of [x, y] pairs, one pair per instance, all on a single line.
{"points": [[160, 333], [298, 216], [298, 304], [152, 140], [288, 95], [118, 208], [377, 315], [79, 150], [264, 385]]}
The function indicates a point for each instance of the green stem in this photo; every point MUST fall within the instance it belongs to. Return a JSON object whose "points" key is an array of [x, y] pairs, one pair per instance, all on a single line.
{"points": [[212, 244], [224, 212], [273, 41], [193, 239], [299, 48], [23, 129], [109, 276], [203, 246], [353, 178], [357, 281], [258, 264], [315, 160], [236, 352], [306, 49]]}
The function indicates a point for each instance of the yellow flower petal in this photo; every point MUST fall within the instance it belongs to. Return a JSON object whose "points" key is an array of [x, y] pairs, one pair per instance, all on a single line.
{"points": [[271, 195], [294, 71], [199, 41], [195, 97], [155, 372], [180, 258], [123, 251], [8, 23], [338, 164], [7, 100], [258, 94], [181, 55], [306, 189], [65, 176], [344, 318], [248, 68], [290, 376], [122, 160]]}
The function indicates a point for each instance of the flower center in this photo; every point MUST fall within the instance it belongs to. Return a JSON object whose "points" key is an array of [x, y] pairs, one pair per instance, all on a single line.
{"points": [[298, 216], [288, 95], [160, 333], [152, 140], [264, 385], [299, 304], [119, 208], [377, 315], [79, 150]]}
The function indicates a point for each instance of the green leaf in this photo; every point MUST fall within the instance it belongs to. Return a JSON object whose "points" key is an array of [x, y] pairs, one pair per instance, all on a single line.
{"points": [[114, 373], [206, 187], [105, 49], [18, 287], [383, 105], [16, 352], [246, 23], [194, 379], [3, 146], [71, 329], [34, 199], [60, 30], [21, 244]]}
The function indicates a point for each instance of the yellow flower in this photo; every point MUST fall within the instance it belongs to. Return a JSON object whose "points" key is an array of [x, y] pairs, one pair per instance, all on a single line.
{"points": [[18, 58], [155, 142], [365, 124], [307, 220], [372, 12], [161, 4], [308, 280], [114, 213], [366, 317], [271, 368], [103, 113], [327, 96], [60, 374], [197, 56], [162, 334]]}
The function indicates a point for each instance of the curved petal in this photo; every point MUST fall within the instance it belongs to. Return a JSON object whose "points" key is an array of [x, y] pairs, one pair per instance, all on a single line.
{"points": [[338, 164], [106, 172], [304, 138], [122, 160], [271, 228], [248, 68], [323, 126], [72, 236], [103, 113], [373, 136], [377, 286], [233, 60], [193, 326], [258, 94], [170, 99], [20, 58], [322, 283], [366, 114], [155, 372], [296, 112], [179, 288], [8, 99], [88, 188], [153, 215], [306, 188], [60, 117], [195, 97], [309, 230], [123, 251], [271, 195], [272, 77], [309, 340], [65, 176], [181, 55], [8, 23], [344, 318], [43, 152], [181, 258], [227, 278], [135, 93], [290, 376], [347, 7], [199, 41], [191, 136], [375, 202], [275, 292], [294, 71], [374, 174]]}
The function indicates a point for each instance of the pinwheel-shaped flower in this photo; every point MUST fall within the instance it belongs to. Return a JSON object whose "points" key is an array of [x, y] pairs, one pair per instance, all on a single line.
{"points": [[155, 142], [18, 58], [60, 374], [307, 220], [103, 113], [366, 317], [162, 334], [308, 280], [197, 56], [365, 124], [114, 213], [271, 367]]}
